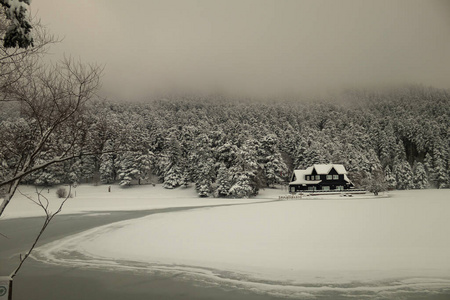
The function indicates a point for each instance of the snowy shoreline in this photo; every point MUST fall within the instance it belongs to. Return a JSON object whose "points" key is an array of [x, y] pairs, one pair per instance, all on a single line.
{"points": [[88, 199]]}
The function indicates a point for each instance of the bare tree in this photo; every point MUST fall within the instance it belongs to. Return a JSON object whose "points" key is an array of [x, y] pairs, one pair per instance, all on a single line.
{"points": [[49, 102], [52, 100], [43, 203]]}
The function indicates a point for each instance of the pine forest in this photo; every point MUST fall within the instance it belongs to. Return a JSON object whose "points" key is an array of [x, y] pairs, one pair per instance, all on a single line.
{"points": [[228, 147]]}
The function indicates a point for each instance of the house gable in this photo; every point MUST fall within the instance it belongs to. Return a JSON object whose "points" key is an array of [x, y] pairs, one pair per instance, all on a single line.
{"points": [[333, 172]]}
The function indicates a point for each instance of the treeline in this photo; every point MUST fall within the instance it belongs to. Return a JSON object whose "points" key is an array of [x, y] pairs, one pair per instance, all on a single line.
{"points": [[228, 147]]}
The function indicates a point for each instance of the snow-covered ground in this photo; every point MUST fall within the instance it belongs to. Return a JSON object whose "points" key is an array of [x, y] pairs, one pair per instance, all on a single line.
{"points": [[363, 245], [89, 199]]}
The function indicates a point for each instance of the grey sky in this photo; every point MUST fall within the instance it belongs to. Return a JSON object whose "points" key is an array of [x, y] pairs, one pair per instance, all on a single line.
{"points": [[262, 48]]}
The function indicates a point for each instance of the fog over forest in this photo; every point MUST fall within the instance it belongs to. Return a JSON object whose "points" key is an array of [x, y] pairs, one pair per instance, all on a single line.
{"points": [[234, 147], [253, 48]]}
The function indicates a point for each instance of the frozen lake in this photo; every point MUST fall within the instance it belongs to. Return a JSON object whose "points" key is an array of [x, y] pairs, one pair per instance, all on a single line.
{"points": [[376, 247]]}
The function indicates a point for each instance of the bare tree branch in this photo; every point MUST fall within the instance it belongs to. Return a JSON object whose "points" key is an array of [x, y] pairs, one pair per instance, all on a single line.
{"points": [[48, 218], [14, 182], [51, 97]]}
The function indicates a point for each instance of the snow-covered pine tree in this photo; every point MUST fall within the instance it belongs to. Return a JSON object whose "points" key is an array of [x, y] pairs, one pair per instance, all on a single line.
{"points": [[125, 168], [274, 168], [386, 145], [88, 168], [107, 168], [172, 163], [241, 187], [223, 182], [420, 177], [428, 164], [186, 177], [18, 33], [403, 174], [440, 163], [172, 177], [203, 163], [74, 171], [245, 171], [299, 161], [51, 175], [134, 165], [204, 187], [391, 182], [226, 154]]}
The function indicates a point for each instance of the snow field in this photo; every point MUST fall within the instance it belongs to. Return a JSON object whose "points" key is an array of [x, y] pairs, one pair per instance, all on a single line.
{"points": [[326, 240], [88, 199]]}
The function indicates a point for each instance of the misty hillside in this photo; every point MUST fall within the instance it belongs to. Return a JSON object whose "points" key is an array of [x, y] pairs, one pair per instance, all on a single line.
{"points": [[229, 147]]}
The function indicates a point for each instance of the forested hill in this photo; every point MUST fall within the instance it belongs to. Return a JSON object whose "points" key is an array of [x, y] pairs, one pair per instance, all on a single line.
{"points": [[229, 147]]}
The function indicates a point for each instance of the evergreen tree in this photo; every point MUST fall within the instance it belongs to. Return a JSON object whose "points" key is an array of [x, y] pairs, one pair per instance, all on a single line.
{"points": [[18, 33], [204, 187], [226, 154], [271, 161], [439, 172], [246, 172], [134, 166], [223, 182], [403, 174], [203, 165], [299, 161], [172, 176], [420, 177], [52, 175], [242, 187], [107, 168], [172, 164], [390, 180]]}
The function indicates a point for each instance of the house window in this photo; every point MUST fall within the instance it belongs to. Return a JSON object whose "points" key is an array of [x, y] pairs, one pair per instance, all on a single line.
{"points": [[325, 188], [329, 177], [335, 177], [307, 177], [340, 188], [292, 189], [317, 177], [311, 188]]}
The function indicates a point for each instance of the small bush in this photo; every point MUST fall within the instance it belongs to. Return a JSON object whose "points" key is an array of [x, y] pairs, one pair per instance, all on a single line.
{"points": [[61, 192]]}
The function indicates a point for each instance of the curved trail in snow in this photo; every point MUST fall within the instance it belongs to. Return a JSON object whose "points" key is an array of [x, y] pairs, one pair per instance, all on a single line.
{"points": [[67, 252]]}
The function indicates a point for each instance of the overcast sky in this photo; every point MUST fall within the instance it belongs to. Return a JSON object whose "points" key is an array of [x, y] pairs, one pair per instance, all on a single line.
{"points": [[261, 48]]}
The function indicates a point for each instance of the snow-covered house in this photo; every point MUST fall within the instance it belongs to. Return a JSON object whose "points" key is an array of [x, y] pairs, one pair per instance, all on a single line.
{"points": [[329, 177]]}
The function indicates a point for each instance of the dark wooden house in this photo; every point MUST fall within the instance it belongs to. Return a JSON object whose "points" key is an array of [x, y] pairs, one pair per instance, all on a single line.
{"points": [[329, 177]]}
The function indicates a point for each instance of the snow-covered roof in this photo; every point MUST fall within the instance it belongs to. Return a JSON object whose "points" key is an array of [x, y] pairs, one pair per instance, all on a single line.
{"points": [[300, 177], [324, 169], [321, 169], [346, 178]]}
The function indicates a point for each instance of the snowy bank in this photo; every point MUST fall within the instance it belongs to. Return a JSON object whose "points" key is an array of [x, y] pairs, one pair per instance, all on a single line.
{"points": [[88, 199], [370, 245]]}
